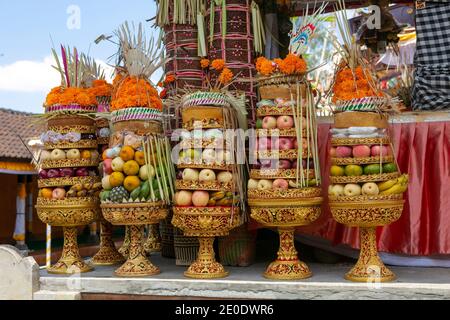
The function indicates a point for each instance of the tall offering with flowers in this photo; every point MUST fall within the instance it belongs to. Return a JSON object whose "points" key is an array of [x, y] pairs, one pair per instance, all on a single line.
{"points": [[208, 202], [367, 187], [284, 191], [68, 179], [138, 182]]}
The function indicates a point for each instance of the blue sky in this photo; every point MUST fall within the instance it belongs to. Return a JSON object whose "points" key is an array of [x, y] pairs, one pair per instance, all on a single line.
{"points": [[25, 29]]}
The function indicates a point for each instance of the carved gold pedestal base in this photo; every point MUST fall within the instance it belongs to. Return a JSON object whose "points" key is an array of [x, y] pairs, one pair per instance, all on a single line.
{"points": [[153, 243], [70, 261], [137, 264], [369, 267], [287, 266], [206, 266], [108, 254], [125, 248]]}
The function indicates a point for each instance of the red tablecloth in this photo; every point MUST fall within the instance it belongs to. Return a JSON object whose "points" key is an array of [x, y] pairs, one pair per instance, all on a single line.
{"points": [[423, 151]]}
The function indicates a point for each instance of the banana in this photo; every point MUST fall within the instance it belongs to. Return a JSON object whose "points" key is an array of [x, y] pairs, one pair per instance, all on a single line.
{"points": [[293, 184], [396, 189], [211, 203], [218, 195], [225, 202], [387, 184]]}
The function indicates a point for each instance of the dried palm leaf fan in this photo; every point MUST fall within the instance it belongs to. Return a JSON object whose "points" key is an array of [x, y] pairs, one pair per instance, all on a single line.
{"points": [[72, 96], [142, 193]]}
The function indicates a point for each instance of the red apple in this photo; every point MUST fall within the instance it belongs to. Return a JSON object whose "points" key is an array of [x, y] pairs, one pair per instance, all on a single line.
{"points": [[58, 194], [269, 123], [304, 144], [286, 144], [390, 152], [107, 166], [53, 173], [344, 152], [183, 198], [280, 184], [200, 198], [66, 172], [284, 164], [82, 172], [333, 152], [379, 151], [264, 144], [361, 151], [285, 122], [43, 174], [266, 163]]}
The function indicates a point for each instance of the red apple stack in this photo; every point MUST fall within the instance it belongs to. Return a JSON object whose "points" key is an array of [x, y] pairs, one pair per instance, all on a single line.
{"points": [[284, 187], [277, 148]]}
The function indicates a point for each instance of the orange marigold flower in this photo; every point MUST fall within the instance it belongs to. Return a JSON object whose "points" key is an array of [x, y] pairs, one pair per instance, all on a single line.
{"points": [[300, 66], [204, 63], [258, 63], [136, 92], [267, 68], [293, 64], [169, 78], [225, 76], [218, 64]]}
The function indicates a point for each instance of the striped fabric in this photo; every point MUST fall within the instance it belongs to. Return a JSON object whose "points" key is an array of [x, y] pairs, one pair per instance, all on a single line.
{"points": [[432, 77]]}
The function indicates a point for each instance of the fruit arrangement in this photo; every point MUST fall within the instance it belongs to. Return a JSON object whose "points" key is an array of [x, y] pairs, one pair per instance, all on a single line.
{"points": [[69, 171], [136, 174], [207, 173], [365, 166], [280, 161]]}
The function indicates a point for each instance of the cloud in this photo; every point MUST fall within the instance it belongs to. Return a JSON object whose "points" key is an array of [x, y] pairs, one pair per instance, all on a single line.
{"points": [[34, 76], [28, 76]]}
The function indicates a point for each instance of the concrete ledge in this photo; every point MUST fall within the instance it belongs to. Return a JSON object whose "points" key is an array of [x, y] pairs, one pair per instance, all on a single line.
{"points": [[247, 283], [19, 275], [55, 295]]}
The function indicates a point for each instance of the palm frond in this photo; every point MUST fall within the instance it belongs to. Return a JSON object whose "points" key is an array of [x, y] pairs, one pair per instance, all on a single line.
{"points": [[140, 56]]}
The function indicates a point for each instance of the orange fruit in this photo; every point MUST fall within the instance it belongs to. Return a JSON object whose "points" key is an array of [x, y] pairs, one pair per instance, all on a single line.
{"points": [[85, 154], [139, 157], [116, 179], [104, 156], [47, 193], [131, 168], [131, 182], [127, 153]]}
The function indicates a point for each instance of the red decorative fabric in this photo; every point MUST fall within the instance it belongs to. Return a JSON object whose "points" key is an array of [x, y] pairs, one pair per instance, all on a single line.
{"points": [[423, 151]]}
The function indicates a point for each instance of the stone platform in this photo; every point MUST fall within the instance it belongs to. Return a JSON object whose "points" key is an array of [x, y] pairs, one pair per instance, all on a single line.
{"points": [[246, 283]]}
